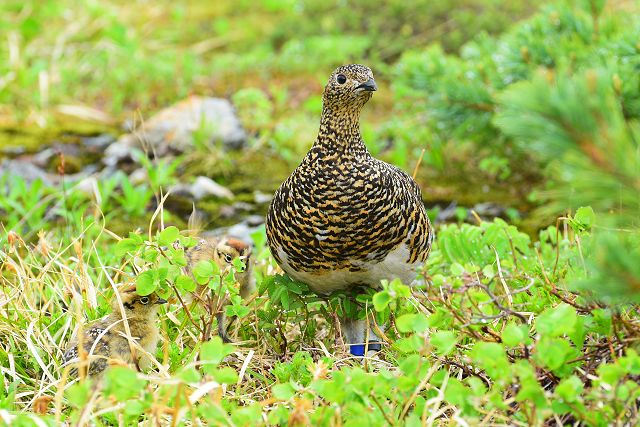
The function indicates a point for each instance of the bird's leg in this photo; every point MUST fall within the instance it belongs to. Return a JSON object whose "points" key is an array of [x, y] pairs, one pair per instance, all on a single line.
{"points": [[222, 330], [358, 337]]}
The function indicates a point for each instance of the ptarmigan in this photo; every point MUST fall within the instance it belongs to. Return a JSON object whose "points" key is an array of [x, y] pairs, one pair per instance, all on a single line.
{"points": [[105, 340], [344, 218], [222, 251]]}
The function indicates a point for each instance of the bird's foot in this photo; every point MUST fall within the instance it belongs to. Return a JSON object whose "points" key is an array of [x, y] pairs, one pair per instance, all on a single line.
{"points": [[360, 350]]}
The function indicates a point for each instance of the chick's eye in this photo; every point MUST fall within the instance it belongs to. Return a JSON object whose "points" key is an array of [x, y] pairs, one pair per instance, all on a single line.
{"points": [[341, 78], [228, 258], [144, 300]]}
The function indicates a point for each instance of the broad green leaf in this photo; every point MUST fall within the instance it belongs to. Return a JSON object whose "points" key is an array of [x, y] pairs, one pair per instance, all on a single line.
{"points": [[412, 322], [204, 271], [215, 351], [457, 269], [185, 283], [381, 300], [585, 217], [513, 334], [456, 393], [78, 394], [443, 341], [167, 236], [570, 389], [488, 271], [125, 246], [557, 320], [553, 353], [283, 391], [146, 283], [225, 375], [123, 383], [492, 358]]}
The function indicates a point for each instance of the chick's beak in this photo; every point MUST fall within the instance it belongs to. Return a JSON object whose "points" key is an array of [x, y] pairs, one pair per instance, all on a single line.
{"points": [[161, 301], [369, 85]]}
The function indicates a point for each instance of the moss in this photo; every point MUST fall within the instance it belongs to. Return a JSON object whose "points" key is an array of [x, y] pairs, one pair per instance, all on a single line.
{"points": [[31, 139]]}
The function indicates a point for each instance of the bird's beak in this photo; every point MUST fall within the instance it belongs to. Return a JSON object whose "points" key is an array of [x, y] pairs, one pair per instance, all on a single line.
{"points": [[369, 86], [161, 301]]}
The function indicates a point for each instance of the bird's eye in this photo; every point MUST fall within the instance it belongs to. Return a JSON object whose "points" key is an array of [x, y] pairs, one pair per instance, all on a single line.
{"points": [[228, 258], [341, 78], [144, 300]]}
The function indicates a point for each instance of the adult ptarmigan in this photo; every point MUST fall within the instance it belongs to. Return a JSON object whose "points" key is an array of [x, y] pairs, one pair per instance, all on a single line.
{"points": [[344, 218]]}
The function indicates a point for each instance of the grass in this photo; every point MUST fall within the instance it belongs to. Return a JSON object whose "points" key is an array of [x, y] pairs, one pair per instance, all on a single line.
{"points": [[493, 324], [108, 59], [504, 327]]}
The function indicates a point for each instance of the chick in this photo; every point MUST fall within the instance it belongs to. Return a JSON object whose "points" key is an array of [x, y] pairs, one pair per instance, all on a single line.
{"points": [[106, 339], [223, 251]]}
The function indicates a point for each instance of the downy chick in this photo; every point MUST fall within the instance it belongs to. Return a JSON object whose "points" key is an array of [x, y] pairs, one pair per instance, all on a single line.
{"points": [[105, 340], [222, 251]]}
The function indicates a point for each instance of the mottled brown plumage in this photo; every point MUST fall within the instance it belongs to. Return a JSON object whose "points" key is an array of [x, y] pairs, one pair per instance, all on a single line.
{"points": [[344, 218], [105, 341], [223, 251]]}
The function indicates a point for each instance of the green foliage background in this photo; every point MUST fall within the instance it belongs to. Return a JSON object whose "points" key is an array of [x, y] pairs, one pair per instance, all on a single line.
{"points": [[506, 327]]}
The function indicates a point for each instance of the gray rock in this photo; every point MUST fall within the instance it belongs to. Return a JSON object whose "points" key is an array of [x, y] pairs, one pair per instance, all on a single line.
{"points": [[254, 220], [204, 187], [87, 185], [97, 143], [138, 176], [201, 188], [43, 157], [173, 129], [240, 231], [116, 152], [262, 198], [27, 171], [182, 190]]}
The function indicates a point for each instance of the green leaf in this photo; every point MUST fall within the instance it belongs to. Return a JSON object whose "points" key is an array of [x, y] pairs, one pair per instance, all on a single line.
{"points": [[204, 271], [185, 283], [167, 236], [585, 217], [237, 310], [405, 322], [553, 353], [530, 389], [78, 394], [146, 283], [444, 342], [225, 375], [557, 321], [412, 322], [457, 269], [381, 300], [492, 358], [488, 271], [123, 383], [611, 373], [283, 391], [456, 393], [513, 334], [213, 352], [125, 246], [570, 389]]}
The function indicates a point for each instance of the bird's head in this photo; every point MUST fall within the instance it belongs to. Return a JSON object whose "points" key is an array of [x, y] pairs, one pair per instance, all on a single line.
{"points": [[349, 87], [137, 306], [221, 251], [230, 248]]}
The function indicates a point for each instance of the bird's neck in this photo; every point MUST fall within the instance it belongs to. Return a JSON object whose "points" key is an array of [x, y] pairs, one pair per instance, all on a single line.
{"points": [[137, 319], [340, 131]]}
